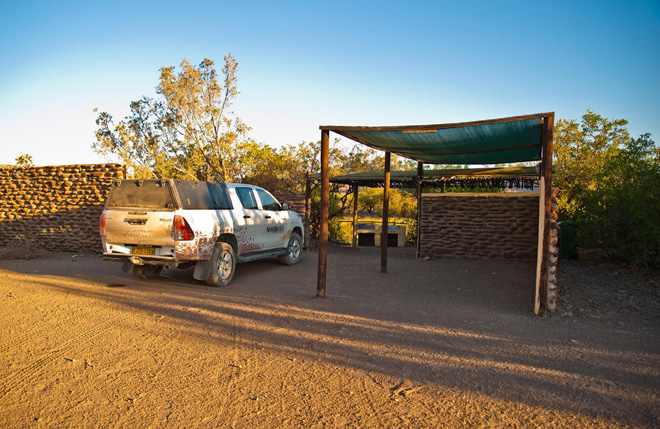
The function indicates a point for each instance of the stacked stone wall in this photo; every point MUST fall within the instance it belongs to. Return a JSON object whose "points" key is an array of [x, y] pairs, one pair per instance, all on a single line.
{"points": [[480, 225], [55, 207], [296, 202], [553, 254]]}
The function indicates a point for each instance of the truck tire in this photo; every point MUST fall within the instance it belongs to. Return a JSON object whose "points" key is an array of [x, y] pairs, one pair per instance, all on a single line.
{"points": [[293, 251], [147, 271], [223, 265]]}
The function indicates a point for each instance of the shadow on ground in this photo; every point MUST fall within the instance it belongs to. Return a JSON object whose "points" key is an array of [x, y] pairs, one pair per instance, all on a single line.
{"points": [[458, 324]]}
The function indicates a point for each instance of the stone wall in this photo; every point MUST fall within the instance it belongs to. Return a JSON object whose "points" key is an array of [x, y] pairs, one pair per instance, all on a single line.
{"points": [[55, 207], [502, 225], [295, 202], [553, 255]]}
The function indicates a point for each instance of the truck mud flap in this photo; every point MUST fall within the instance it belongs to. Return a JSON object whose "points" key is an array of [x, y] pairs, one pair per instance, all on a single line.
{"points": [[202, 270]]}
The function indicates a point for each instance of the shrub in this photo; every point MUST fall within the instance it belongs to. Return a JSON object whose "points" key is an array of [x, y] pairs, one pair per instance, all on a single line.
{"points": [[610, 184]]}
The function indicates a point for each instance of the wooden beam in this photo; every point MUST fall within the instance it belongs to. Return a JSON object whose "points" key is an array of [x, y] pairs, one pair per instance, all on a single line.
{"points": [[355, 215], [420, 176], [386, 210], [323, 218], [402, 128], [540, 306]]}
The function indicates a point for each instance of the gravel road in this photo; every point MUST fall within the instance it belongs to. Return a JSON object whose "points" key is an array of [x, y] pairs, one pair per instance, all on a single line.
{"points": [[438, 343]]}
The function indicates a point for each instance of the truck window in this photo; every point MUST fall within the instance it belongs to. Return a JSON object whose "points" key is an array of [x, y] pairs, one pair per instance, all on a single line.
{"points": [[142, 194], [247, 198], [196, 195], [268, 202]]}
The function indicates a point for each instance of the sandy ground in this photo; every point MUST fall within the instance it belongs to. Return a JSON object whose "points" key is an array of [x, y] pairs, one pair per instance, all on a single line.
{"points": [[439, 343]]}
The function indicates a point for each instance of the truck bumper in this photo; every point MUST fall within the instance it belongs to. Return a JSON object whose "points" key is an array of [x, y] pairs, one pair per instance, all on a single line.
{"points": [[167, 261]]}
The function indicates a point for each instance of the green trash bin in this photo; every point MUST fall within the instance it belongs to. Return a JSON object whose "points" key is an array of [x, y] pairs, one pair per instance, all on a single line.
{"points": [[568, 240]]}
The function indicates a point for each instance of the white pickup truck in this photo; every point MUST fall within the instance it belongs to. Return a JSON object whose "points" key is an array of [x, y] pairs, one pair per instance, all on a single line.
{"points": [[151, 224]]}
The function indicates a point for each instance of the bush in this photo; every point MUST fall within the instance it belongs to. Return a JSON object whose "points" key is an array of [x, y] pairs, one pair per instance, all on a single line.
{"points": [[338, 231], [610, 184], [622, 214], [403, 202], [411, 231]]}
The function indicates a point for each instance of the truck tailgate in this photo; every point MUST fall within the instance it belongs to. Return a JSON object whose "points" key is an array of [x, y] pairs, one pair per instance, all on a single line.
{"points": [[134, 227]]}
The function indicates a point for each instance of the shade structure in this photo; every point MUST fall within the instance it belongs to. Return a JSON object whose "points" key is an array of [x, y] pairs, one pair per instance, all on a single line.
{"points": [[494, 141]]}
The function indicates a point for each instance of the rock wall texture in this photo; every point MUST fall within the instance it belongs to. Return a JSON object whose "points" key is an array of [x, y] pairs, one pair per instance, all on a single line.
{"points": [[479, 225], [55, 207], [296, 202], [553, 255]]}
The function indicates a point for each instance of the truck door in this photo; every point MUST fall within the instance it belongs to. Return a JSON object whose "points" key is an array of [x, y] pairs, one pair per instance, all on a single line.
{"points": [[275, 219], [251, 226]]}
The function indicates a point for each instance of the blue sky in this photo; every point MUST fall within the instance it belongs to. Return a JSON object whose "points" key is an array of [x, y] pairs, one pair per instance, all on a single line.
{"points": [[303, 64]]}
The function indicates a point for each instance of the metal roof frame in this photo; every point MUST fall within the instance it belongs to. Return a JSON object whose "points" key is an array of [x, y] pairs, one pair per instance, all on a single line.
{"points": [[410, 178]]}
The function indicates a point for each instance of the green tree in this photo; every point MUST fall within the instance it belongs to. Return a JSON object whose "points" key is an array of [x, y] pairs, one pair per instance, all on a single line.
{"points": [[403, 202], [581, 151], [610, 184], [370, 200], [188, 132], [623, 211], [24, 160], [284, 171]]}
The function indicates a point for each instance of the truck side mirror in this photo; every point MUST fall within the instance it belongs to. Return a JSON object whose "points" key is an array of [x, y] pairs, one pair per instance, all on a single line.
{"points": [[285, 206]]}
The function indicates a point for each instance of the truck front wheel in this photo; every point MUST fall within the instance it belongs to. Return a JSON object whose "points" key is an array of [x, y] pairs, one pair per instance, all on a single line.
{"points": [[293, 251], [223, 265]]}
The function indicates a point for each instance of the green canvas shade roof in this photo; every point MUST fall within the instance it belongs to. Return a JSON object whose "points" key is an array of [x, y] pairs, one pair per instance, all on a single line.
{"points": [[494, 141]]}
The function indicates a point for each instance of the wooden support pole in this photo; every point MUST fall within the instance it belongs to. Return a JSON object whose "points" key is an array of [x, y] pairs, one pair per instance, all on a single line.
{"points": [[355, 215], [386, 213], [323, 218], [420, 175], [308, 210], [541, 305]]}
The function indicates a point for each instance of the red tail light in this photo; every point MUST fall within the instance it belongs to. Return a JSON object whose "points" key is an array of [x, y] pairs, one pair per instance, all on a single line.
{"points": [[102, 225], [182, 230]]}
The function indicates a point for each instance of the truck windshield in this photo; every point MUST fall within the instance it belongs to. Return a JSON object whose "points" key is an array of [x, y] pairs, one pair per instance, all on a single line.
{"points": [[143, 194]]}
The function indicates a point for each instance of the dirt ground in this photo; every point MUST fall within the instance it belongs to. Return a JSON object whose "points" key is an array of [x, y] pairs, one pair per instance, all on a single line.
{"points": [[438, 343]]}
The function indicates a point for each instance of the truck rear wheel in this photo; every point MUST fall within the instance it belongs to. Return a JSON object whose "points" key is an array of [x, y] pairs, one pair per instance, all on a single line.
{"points": [[223, 265], [147, 271]]}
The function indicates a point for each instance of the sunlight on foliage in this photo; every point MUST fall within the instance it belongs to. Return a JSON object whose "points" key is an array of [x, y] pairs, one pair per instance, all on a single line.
{"points": [[188, 132], [610, 184], [24, 160]]}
